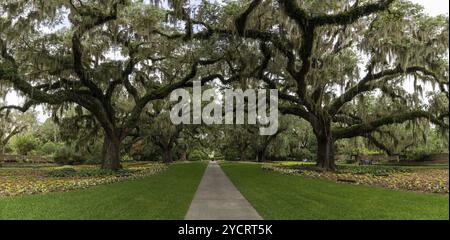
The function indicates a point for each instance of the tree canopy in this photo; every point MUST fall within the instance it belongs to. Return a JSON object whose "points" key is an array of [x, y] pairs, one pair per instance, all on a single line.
{"points": [[111, 59]]}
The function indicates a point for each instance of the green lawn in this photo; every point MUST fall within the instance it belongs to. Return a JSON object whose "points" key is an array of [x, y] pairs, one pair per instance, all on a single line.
{"points": [[278, 196], [162, 196]]}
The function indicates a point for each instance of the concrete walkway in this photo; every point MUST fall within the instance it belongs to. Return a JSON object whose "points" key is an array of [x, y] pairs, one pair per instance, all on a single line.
{"points": [[218, 199]]}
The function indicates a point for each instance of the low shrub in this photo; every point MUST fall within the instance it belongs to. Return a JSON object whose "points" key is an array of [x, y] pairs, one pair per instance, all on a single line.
{"points": [[304, 154], [373, 170], [25, 144], [232, 155], [66, 156], [49, 148], [126, 158], [219, 157], [94, 156], [197, 155], [93, 172], [63, 172], [350, 161], [418, 156]]}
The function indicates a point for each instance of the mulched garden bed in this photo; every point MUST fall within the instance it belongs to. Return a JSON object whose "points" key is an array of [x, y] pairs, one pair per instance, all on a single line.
{"points": [[20, 181], [419, 180]]}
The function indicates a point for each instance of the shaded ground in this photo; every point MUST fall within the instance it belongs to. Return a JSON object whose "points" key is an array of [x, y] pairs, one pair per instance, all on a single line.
{"points": [[280, 196], [166, 195]]}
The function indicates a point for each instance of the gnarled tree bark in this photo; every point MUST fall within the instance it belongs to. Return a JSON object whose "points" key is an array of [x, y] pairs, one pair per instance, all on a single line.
{"points": [[111, 152]]}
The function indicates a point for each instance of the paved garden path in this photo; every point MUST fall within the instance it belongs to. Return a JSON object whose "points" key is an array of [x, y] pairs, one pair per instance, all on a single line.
{"points": [[218, 199]]}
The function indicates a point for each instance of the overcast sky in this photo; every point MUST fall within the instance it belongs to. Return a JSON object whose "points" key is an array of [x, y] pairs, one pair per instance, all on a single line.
{"points": [[432, 7]]}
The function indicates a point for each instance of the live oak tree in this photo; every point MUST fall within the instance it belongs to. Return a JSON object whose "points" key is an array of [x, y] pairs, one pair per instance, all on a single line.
{"points": [[161, 132], [260, 144], [13, 124], [91, 53], [48, 131], [79, 131], [157, 136], [243, 142], [398, 138], [176, 142], [295, 142], [236, 142], [322, 56]]}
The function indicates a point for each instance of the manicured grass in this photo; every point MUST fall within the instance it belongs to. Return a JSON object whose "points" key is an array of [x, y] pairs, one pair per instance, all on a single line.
{"points": [[278, 196], [162, 196]]}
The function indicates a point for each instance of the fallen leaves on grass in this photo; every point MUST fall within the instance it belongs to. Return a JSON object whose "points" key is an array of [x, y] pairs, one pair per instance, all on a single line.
{"points": [[420, 180], [31, 181]]}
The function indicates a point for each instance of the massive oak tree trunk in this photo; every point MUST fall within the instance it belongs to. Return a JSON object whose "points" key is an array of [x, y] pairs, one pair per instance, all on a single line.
{"points": [[167, 155], [261, 155], [242, 156], [325, 150], [261, 152], [242, 148], [111, 153], [325, 153], [184, 154]]}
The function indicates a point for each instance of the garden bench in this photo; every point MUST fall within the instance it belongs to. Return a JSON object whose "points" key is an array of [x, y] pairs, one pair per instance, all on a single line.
{"points": [[365, 162]]}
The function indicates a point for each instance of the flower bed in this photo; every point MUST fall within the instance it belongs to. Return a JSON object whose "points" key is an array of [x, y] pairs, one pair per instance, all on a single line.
{"points": [[38, 180], [420, 180]]}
